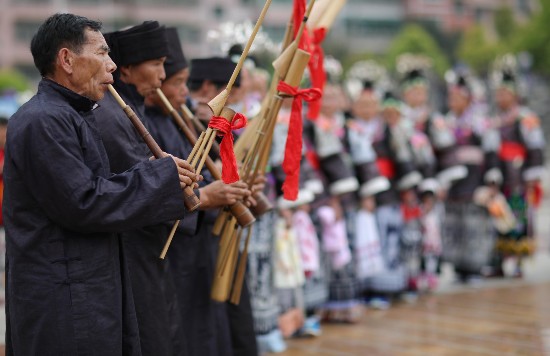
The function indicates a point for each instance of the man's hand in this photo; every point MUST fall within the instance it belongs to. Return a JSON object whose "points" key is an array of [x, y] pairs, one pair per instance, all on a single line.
{"points": [[258, 186], [218, 194], [187, 174]]}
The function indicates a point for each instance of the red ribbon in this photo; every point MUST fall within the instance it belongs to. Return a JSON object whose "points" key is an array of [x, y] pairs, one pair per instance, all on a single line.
{"points": [[299, 12], [293, 147], [230, 173], [317, 69]]}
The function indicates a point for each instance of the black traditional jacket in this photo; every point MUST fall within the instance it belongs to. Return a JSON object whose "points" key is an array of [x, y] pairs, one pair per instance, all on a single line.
{"points": [[153, 286], [67, 282]]}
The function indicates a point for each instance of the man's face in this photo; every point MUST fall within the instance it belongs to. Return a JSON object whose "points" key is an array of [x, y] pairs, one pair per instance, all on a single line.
{"points": [[175, 88], [92, 69], [207, 92], [146, 76]]}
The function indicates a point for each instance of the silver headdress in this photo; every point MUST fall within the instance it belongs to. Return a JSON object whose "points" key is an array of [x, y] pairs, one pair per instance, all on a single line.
{"points": [[408, 62], [413, 68], [333, 69], [504, 71], [366, 74], [231, 33]]}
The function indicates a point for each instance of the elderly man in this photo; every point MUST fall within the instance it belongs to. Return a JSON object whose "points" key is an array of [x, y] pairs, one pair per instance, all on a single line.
{"points": [[192, 255], [140, 53], [67, 282]]}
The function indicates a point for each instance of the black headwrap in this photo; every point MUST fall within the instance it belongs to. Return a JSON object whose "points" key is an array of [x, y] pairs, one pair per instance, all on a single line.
{"points": [[214, 69], [176, 60], [138, 44]]}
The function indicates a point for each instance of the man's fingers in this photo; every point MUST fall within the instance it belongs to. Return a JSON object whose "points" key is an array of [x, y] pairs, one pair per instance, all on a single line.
{"points": [[251, 201], [185, 165], [239, 184], [186, 180], [189, 173]]}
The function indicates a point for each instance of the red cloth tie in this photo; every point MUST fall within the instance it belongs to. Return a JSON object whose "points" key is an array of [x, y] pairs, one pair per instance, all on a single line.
{"points": [[317, 69], [230, 173], [293, 147], [299, 11]]}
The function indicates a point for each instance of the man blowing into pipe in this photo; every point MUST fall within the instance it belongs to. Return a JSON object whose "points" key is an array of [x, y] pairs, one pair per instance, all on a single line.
{"points": [[67, 289], [140, 52], [192, 254]]}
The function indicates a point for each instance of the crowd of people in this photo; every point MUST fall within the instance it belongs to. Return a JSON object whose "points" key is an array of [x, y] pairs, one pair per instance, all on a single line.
{"points": [[389, 189]]}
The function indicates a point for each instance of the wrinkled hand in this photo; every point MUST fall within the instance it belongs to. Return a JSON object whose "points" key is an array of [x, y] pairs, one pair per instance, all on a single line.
{"points": [[187, 174], [259, 184], [218, 194], [257, 187]]}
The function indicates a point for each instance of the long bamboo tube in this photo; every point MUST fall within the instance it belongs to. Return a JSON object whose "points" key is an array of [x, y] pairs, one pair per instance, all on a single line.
{"points": [[217, 104], [191, 201], [239, 210], [290, 67]]}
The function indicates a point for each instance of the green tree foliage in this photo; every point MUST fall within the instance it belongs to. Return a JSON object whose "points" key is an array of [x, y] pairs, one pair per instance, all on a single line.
{"points": [[476, 51], [505, 25], [414, 39], [10, 79], [534, 38]]}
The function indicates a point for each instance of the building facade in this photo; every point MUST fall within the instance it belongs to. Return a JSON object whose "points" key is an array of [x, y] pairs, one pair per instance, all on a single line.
{"points": [[366, 25], [362, 26]]}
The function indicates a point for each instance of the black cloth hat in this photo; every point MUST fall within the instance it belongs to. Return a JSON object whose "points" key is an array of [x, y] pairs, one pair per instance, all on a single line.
{"points": [[175, 61], [138, 44], [214, 69]]}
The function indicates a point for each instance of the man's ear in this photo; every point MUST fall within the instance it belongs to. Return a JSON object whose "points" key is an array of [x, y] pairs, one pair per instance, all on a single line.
{"points": [[65, 58]]}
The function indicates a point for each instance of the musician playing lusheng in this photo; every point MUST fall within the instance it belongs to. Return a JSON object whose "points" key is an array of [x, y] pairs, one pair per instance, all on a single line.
{"points": [[67, 282], [192, 256], [140, 52]]}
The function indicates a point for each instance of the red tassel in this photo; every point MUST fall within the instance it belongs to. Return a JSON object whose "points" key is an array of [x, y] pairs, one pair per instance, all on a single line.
{"points": [[317, 69], [230, 173], [293, 147], [298, 17]]}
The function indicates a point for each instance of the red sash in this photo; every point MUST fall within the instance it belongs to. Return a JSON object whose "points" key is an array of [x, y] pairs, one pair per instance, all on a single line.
{"points": [[385, 167], [510, 151]]}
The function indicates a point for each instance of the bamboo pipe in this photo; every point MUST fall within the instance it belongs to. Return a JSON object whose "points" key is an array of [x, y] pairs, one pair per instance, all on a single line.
{"points": [[297, 65], [282, 63], [326, 17], [192, 121], [191, 201], [223, 276], [219, 101], [241, 269], [249, 134], [262, 202], [177, 222], [239, 210], [220, 222], [217, 104]]}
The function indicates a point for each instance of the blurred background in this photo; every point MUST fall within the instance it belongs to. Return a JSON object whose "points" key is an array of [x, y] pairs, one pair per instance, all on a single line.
{"points": [[453, 33]]}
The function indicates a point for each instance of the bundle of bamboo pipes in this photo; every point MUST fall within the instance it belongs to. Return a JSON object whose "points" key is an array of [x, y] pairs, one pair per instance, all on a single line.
{"points": [[191, 201], [289, 67], [241, 213], [204, 143]]}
